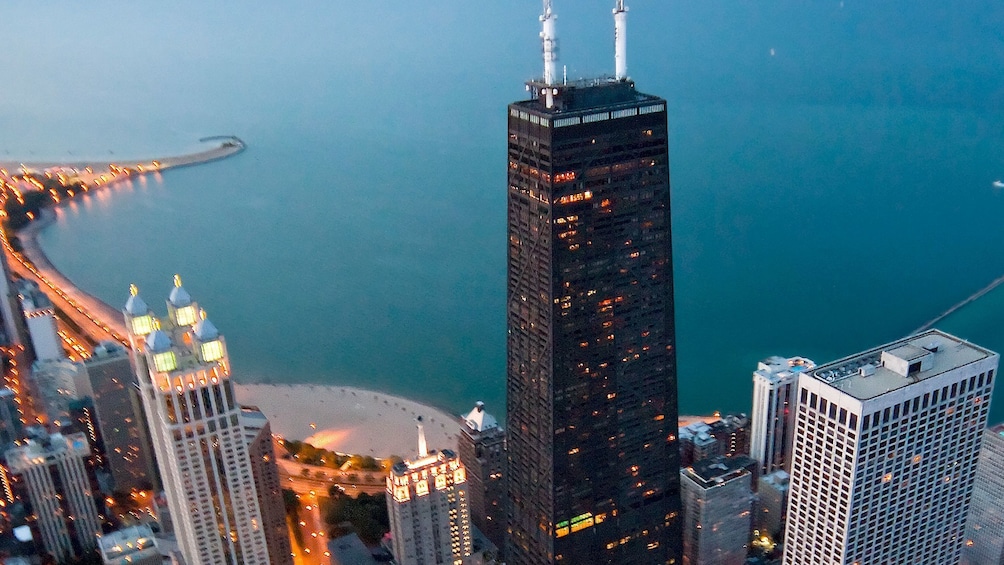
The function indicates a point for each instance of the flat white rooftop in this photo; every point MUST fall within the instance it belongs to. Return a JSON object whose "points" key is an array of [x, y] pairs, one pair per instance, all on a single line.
{"points": [[898, 364]]}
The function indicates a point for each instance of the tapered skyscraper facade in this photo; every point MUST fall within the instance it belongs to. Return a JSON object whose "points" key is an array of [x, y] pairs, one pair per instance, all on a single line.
{"points": [[200, 442], [591, 386]]}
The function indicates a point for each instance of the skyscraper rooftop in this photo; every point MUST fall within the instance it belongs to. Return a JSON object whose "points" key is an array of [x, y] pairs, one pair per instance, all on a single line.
{"points": [[713, 471], [899, 364], [582, 95]]}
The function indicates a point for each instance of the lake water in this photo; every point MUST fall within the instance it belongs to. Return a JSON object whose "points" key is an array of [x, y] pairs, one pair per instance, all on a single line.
{"points": [[828, 197]]}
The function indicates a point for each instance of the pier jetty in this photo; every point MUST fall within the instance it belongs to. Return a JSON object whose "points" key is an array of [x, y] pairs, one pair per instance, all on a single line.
{"points": [[959, 305], [227, 146]]}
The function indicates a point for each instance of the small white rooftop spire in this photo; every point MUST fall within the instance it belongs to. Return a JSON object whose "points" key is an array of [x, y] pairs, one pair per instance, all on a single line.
{"points": [[620, 40], [423, 448], [549, 39]]}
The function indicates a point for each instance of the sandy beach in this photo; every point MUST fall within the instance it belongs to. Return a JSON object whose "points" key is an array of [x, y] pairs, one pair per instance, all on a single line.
{"points": [[358, 421], [350, 420]]}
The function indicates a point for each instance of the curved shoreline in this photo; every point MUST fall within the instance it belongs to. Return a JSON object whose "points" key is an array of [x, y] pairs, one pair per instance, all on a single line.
{"points": [[32, 262], [348, 419], [56, 281], [342, 418]]}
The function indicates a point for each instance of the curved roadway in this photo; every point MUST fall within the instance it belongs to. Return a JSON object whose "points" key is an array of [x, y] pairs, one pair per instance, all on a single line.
{"points": [[96, 319]]}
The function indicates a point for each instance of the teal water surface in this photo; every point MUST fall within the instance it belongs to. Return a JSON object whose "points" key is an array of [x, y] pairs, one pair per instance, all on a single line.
{"points": [[828, 197]]}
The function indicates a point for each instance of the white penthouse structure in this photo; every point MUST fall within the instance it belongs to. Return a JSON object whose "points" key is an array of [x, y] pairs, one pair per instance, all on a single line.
{"points": [[430, 520], [184, 377], [774, 383], [885, 452]]}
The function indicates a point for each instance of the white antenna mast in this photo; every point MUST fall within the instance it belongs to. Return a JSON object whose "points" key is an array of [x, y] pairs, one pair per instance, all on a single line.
{"points": [[549, 38], [423, 449], [620, 40]]}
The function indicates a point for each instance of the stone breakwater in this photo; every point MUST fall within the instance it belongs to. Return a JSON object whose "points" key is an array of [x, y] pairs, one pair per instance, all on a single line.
{"points": [[228, 145]]}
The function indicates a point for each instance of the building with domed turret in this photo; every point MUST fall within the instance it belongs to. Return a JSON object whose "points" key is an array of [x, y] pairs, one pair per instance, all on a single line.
{"points": [[199, 440]]}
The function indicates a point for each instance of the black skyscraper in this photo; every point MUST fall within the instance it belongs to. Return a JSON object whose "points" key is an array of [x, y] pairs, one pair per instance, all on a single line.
{"points": [[592, 403]]}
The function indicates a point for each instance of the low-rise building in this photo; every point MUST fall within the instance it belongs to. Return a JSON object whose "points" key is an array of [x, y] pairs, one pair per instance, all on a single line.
{"points": [[726, 436], [350, 550], [717, 497], [772, 502], [130, 546]]}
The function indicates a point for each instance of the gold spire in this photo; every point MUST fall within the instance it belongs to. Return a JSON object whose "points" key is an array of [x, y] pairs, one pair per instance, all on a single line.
{"points": [[156, 324], [177, 280], [133, 291], [202, 313]]}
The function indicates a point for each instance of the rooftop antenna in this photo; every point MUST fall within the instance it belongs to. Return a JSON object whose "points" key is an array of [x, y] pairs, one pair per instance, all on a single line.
{"points": [[620, 40], [549, 39]]}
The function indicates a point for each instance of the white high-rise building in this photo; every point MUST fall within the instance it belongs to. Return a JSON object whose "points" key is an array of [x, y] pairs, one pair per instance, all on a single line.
{"points": [[199, 441], [40, 319], [61, 492], [430, 519], [885, 452], [774, 384]]}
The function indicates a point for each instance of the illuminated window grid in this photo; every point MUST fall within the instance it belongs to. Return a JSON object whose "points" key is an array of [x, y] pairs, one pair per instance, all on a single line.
{"points": [[886, 480], [200, 445], [429, 511]]}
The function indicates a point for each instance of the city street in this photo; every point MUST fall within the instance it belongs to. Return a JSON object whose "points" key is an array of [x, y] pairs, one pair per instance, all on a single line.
{"points": [[314, 532]]}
